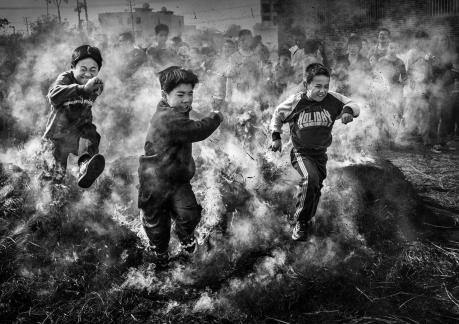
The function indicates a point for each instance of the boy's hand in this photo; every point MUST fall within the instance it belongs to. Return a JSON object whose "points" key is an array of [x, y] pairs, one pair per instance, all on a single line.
{"points": [[220, 115], [346, 118], [276, 146], [94, 85]]}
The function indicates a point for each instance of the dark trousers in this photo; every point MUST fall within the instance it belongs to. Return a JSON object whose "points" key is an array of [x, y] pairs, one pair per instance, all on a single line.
{"points": [[313, 171], [179, 204], [88, 147]]}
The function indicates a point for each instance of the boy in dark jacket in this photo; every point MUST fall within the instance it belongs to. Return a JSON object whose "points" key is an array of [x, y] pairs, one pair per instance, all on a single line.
{"points": [[72, 96], [167, 167], [310, 115]]}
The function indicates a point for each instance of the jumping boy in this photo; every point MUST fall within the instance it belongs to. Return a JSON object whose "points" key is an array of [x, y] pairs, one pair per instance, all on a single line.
{"points": [[167, 167], [310, 115], [72, 96]]}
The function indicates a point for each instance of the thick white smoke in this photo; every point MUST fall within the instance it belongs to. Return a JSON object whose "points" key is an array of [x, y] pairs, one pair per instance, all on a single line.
{"points": [[246, 191]]}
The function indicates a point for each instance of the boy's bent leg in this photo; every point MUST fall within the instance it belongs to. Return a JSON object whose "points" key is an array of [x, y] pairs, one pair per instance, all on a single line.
{"points": [[188, 215], [55, 163], [92, 137], [313, 172], [156, 221], [90, 162]]}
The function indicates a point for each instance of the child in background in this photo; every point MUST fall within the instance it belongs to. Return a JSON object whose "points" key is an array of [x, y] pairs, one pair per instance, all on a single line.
{"points": [[160, 54], [311, 116], [167, 167], [393, 69], [283, 72], [244, 68], [72, 96]]}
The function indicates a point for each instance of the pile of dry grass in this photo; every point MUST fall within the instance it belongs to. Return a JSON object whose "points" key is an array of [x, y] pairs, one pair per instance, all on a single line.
{"points": [[72, 265]]}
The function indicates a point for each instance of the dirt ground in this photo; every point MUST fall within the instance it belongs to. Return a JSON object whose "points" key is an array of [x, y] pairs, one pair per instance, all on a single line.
{"points": [[435, 176]]}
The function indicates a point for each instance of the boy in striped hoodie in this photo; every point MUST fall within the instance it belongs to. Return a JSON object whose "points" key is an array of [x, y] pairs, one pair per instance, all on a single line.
{"points": [[311, 115]]}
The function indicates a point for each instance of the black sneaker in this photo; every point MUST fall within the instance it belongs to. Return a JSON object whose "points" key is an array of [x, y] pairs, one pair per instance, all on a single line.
{"points": [[90, 169], [160, 260], [301, 232]]}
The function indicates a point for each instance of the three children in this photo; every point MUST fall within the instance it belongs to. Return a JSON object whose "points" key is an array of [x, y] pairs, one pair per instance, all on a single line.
{"points": [[167, 167]]}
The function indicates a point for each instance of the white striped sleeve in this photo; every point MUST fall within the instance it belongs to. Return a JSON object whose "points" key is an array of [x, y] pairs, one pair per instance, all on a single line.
{"points": [[282, 111]]}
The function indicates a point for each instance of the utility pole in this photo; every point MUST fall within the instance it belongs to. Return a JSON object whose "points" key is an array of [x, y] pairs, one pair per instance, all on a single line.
{"points": [[27, 25], [132, 19], [78, 10], [86, 15], [47, 9]]}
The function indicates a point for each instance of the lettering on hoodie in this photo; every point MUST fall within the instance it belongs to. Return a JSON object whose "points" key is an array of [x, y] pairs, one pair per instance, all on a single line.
{"points": [[314, 118]]}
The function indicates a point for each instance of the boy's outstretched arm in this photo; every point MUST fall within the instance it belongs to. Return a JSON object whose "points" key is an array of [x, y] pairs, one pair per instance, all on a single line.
{"points": [[64, 88], [186, 130], [282, 111], [350, 108]]}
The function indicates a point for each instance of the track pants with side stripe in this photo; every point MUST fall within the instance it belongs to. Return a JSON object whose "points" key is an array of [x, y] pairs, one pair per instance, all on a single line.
{"points": [[313, 171]]}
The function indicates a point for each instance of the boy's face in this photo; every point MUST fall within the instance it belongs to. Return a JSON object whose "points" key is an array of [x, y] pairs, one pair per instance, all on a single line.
{"points": [[284, 61], [318, 88], [383, 37], [365, 46], [392, 49], [443, 42], [180, 97], [353, 49], [161, 37], [228, 49], [245, 42], [85, 69]]}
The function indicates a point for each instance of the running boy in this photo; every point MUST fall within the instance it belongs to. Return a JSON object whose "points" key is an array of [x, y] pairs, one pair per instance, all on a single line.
{"points": [[72, 96], [167, 167], [310, 115]]}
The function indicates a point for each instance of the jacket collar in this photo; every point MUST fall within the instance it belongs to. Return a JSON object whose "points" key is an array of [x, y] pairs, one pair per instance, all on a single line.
{"points": [[163, 105]]}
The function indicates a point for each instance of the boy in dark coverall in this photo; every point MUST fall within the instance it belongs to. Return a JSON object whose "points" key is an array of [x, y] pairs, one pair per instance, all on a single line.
{"points": [[72, 96], [310, 115], [167, 167]]}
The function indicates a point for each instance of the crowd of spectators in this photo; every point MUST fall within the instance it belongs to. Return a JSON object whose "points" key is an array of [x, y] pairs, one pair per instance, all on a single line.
{"points": [[414, 81]]}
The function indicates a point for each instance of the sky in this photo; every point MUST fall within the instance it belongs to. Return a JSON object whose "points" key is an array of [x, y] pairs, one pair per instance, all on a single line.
{"points": [[206, 13]]}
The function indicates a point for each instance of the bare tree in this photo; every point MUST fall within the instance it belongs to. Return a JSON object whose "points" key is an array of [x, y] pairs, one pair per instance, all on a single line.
{"points": [[58, 6], [4, 22]]}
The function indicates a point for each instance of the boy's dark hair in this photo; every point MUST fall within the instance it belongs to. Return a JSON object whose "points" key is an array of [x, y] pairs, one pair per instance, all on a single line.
{"points": [[161, 27], [285, 52], [421, 34], [355, 40], [86, 51], [173, 76], [315, 69], [244, 32], [311, 46], [126, 37], [384, 29]]}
